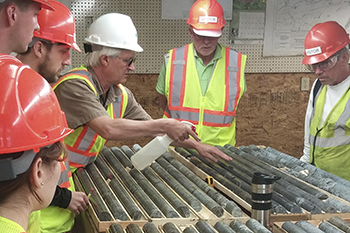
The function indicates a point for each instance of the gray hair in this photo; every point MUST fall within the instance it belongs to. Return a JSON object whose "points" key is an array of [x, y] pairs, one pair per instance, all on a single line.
{"points": [[341, 51], [92, 59]]}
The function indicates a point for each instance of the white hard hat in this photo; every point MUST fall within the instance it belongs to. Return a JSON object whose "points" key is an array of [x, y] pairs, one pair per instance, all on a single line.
{"points": [[114, 30]]}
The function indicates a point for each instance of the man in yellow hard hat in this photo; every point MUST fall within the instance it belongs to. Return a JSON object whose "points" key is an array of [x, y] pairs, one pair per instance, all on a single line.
{"points": [[202, 82]]}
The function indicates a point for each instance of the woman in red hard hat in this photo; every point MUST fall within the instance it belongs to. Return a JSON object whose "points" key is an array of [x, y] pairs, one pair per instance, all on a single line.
{"points": [[32, 127], [48, 54]]}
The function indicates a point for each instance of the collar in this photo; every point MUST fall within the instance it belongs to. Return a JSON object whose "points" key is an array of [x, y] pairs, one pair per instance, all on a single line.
{"points": [[217, 54], [98, 86]]}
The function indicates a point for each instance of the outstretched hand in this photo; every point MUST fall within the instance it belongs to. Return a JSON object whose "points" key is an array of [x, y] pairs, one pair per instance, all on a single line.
{"points": [[210, 152], [78, 202]]}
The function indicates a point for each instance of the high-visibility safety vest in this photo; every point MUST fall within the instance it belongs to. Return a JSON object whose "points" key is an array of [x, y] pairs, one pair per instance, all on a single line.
{"points": [[214, 113], [330, 143], [54, 218], [9, 226], [84, 144], [34, 222]]}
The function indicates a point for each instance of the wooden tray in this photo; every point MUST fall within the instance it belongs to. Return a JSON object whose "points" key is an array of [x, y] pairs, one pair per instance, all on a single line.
{"points": [[274, 217]]}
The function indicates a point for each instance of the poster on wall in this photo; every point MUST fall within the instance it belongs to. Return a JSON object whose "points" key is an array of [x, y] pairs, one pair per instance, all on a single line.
{"points": [[288, 22], [248, 22], [179, 9]]}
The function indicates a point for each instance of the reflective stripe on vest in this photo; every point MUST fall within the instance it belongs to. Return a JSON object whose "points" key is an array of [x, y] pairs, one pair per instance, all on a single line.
{"points": [[225, 89], [66, 174], [330, 143], [84, 144]]}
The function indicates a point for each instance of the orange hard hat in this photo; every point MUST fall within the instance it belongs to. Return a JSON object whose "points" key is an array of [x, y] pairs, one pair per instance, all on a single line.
{"points": [[324, 40], [207, 18], [30, 115], [57, 26]]}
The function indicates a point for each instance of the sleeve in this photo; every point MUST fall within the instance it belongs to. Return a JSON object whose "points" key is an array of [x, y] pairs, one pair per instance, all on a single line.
{"points": [[134, 111], [306, 152], [79, 102], [61, 198], [160, 88]]}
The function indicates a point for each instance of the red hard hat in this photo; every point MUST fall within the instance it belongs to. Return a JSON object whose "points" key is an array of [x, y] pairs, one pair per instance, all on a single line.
{"points": [[207, 18], [324, 40], [57, 26], [45, 4], [30, 115]]}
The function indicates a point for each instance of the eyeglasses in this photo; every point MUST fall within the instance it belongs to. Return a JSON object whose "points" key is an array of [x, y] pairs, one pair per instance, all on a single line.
{"points": [[128, 61], [325, 65]]}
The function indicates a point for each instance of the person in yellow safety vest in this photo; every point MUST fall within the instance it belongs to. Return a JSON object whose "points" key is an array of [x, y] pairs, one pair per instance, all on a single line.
{"points": [[17, 22], [29, 165], [48, 54], [327, 125], [96, 103], [202, 82]]}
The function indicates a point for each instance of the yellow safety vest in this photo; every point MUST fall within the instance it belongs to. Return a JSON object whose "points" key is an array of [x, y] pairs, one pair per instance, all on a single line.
{"points": [[54, 218], [213, 114], [84, 144], [9, 226], [330, 143], [34, 222]]}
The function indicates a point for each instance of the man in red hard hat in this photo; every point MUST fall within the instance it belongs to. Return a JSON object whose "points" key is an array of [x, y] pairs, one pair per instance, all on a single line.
{"points": [[202, 82], [17, 23], [326, 142], [48, 54]]}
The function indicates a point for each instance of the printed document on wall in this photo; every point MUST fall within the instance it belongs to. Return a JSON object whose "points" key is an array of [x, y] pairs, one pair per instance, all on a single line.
{"points": [[288, 22], [179, 9]]}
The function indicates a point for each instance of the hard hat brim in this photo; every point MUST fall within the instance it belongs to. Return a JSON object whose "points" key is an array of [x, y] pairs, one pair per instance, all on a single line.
{"points": [[137, 48], [45, 4], [208, 33], [76, 47], [133, 47]]}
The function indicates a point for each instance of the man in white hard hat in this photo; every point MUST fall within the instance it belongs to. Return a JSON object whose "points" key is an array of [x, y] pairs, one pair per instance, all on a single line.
{"points": [[18, 22], [96, 103], [206, 76]]}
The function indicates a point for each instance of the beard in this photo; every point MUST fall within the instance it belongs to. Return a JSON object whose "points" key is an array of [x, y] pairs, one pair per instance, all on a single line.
{"points": [[45, 70]]}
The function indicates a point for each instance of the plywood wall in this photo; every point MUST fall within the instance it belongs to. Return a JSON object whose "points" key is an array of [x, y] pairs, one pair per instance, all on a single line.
{"points": [[270, 113]]}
